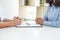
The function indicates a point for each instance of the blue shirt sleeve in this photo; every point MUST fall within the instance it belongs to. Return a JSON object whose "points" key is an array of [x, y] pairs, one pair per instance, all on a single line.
{"points": [[55, 23], [52, 23]]}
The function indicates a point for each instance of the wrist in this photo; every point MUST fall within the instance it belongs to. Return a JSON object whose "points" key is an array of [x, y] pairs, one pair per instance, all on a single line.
{"points": [[12, 23]]}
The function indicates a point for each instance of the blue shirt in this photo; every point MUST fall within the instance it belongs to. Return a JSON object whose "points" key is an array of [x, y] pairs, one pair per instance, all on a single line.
{"points": [[52, 16]]}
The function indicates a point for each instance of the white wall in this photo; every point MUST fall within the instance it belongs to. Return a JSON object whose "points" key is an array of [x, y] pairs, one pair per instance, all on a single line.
{"points": [[10, 7]]}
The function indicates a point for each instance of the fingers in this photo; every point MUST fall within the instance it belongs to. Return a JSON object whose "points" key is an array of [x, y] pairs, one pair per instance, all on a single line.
{"points": [[17, 18], [36, 20]]}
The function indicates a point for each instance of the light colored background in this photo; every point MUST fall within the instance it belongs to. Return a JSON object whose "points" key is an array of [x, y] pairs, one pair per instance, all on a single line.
{"points": [[16, 7], [11, 8]]}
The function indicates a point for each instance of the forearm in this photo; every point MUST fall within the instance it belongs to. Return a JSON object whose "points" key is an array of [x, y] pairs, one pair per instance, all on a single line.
{"points": [[10, 23], [7, 24], [52, 23]]}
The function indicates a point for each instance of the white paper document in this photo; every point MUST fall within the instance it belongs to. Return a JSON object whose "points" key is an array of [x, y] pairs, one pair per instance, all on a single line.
{"points": [[29, 24]]}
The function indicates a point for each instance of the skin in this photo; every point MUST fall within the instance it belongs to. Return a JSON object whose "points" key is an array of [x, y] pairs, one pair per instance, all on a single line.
{"points": [[9, 23], [39, 21]]}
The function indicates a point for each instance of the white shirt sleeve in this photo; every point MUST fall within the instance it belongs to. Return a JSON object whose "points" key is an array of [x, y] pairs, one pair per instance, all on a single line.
{"points": [[1, 13]]}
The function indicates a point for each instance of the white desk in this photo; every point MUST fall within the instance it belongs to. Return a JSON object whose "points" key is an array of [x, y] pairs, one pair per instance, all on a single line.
{"points": [[44, 33], [20, 33]]}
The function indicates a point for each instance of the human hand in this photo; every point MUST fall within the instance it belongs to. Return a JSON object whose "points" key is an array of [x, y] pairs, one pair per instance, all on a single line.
{"points": [[39, 21], [17, 20]]}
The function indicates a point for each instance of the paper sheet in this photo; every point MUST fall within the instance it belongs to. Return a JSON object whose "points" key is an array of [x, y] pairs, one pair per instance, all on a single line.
{"points": [[29, 24]]}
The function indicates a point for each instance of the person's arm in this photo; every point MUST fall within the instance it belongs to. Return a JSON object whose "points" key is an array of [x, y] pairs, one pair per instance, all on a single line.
{"points": [[7, 24], [56, 22], [10, 23], [52, 23]]}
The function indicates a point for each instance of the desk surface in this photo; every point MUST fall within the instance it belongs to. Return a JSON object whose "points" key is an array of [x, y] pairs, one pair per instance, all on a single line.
{"points": [[28, 24], [44, 33]]}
